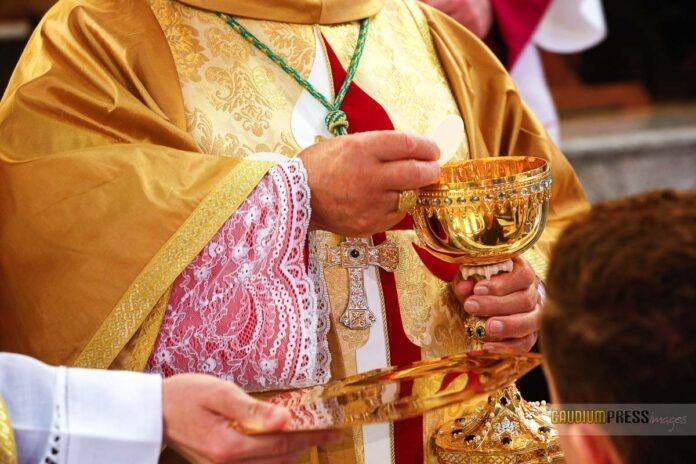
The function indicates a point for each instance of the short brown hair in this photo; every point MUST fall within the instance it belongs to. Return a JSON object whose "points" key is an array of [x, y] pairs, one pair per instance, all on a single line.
{"points": [[619, 326]]}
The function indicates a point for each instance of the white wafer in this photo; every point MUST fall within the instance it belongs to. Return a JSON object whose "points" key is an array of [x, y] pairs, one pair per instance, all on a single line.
{"points": [[448, 135]]}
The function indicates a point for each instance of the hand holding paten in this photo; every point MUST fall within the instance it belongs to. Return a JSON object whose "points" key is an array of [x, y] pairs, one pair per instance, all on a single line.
{"points": [[200, 412], [355, 180]]}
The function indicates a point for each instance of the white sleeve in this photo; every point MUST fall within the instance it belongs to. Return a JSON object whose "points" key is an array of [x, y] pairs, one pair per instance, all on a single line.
{"points": [[570, 26], [27, 387], [81, 416]]}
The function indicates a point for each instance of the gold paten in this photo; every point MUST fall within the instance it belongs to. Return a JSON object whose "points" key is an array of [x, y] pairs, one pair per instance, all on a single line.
{"points": [[386, 395], [485, 212]]}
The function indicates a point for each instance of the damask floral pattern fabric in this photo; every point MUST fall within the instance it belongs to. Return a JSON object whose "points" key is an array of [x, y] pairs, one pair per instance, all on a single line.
{"points": [[237, 101], [245, 309]]}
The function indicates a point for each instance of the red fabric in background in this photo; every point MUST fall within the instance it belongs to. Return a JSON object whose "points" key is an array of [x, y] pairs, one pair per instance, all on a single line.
{"points": [[408, 434], [440, 269], [517, 20], [364, 113]]}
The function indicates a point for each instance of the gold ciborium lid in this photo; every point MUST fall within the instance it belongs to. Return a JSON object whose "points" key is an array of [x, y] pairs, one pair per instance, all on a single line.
{"points": [[486, 210]]}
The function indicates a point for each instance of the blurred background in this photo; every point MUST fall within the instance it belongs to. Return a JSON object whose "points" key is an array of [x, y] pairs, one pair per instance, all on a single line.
{"points": [[627, 106]]}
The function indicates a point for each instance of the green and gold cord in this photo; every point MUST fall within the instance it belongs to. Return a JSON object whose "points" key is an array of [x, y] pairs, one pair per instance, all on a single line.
{"points": [[336, 121]]}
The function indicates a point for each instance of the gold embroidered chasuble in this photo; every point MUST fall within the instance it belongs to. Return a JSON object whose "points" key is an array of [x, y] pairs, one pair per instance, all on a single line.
{"points": [[159, 122], [8, 448]]}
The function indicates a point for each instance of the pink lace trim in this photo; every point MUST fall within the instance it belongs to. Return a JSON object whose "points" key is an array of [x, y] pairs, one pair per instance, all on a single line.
{"points": [[245, 309]]}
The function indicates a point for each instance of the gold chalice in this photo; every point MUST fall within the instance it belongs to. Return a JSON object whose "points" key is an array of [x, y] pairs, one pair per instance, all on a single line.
{"points": [[483, 213]]}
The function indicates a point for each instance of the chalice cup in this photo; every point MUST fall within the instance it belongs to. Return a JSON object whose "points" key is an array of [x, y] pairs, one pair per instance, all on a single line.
{"points": [[482, 214]]}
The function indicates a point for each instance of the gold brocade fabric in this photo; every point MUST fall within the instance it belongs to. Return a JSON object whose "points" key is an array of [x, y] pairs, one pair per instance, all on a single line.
{"points": [[105, 197], [145, 338], [8, 448], [169, 261], [236, 101], [399, 67], [294, 11]]}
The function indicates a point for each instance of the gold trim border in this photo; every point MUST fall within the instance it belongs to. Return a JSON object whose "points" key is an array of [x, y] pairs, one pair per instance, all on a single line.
{"points": [[151, 284], [147, 335], [8, 448]]}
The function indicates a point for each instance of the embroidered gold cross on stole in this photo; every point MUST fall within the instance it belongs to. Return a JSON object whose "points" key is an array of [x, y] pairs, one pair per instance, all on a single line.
{"points": [[356, 255]]}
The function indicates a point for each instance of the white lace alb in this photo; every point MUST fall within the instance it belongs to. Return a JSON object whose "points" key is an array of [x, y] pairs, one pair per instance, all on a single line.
{"points": [[245, 309]]}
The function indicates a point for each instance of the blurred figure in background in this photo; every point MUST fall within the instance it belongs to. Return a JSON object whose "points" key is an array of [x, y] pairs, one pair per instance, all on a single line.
{"points": [[517, 29], [619, 322]]}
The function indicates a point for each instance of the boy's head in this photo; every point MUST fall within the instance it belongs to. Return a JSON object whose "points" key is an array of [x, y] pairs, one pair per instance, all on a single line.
{"points": [[620, 322]]}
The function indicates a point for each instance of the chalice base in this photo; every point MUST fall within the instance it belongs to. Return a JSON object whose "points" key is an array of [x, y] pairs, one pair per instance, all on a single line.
{"points": [[506, 429]]}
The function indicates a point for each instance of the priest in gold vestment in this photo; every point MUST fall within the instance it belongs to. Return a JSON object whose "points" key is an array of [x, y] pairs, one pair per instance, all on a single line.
{"points": [[172, 200]]}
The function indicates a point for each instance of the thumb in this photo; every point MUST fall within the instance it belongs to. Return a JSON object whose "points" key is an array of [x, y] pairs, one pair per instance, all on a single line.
{"points": [[262, 416], [251, 414]]}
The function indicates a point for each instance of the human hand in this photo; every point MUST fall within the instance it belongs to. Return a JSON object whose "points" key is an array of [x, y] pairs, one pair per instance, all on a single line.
{"points": [[355, 180], [198, 413], [475, 15], [510, 299]]}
